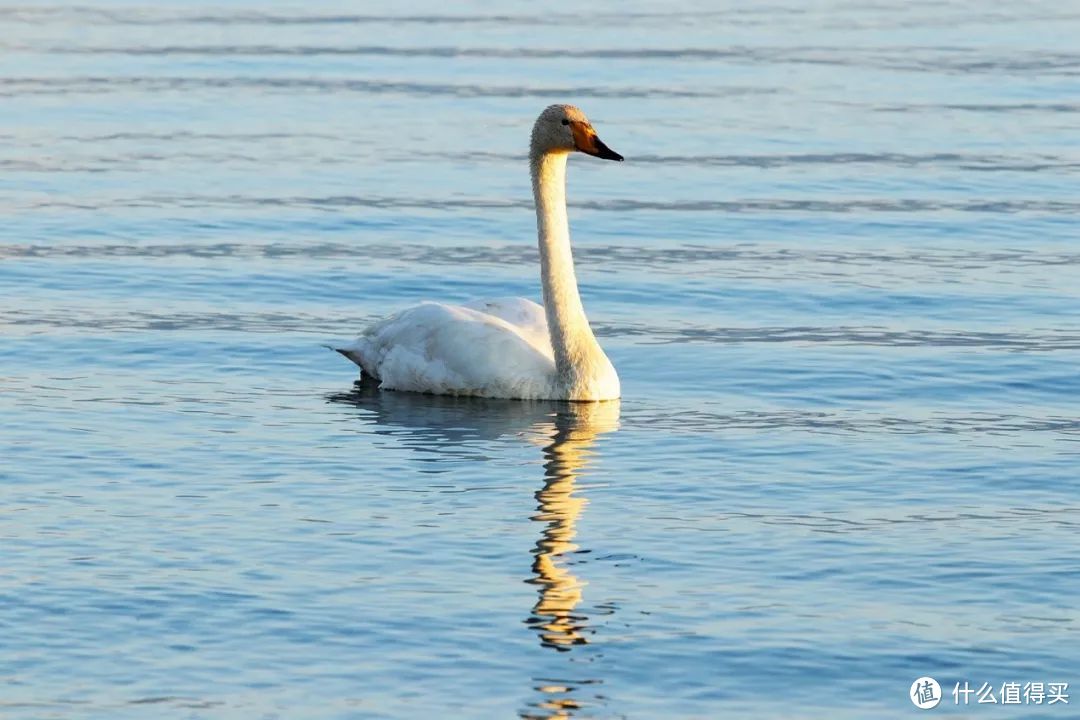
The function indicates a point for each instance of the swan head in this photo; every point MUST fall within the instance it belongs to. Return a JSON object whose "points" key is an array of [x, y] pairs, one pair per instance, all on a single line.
{"points": [[565, 129]]}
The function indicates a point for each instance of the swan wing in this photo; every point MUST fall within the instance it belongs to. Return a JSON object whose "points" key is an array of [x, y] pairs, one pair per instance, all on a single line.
{"points": [[525, 315], [456, 350]]}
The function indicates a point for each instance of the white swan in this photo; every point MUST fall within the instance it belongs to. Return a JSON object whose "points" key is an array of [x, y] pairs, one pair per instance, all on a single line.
{"points": [[507, 347]]}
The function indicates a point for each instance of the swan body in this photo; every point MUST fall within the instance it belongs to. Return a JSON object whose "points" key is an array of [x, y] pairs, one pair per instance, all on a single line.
{"points": [[507, 347]]}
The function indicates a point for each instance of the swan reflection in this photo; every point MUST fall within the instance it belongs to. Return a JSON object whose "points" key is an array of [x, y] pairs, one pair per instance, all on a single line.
{"points": [[566, 456], [566, 434], [555, 617]]}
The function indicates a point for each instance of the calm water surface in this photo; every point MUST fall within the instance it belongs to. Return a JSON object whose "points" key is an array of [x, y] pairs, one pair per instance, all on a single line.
{"points": [[838, 274]]}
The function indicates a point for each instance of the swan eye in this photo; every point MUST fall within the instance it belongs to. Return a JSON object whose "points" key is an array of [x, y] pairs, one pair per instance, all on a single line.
{"points": [[565, 121]]}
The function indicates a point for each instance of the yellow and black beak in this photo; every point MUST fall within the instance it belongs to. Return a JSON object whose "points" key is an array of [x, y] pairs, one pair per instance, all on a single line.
{"points": [[586, 141]]}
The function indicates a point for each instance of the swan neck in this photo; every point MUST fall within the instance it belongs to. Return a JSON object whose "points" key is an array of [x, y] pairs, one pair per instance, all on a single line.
{"points": [[572, 339]]}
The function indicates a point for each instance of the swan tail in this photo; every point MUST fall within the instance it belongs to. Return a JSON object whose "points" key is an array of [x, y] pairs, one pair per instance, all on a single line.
{"points": [[354, 356], [347, 352]]}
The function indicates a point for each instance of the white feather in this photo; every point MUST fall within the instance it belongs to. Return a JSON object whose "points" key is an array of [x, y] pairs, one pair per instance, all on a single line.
{"points": [[457, 350]]}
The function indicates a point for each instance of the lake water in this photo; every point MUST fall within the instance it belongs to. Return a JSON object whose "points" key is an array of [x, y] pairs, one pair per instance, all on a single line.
{"points": [[838, 274]]}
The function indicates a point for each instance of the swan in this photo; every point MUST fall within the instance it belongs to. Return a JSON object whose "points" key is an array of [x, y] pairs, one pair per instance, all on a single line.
{"points": [[507, 347]]}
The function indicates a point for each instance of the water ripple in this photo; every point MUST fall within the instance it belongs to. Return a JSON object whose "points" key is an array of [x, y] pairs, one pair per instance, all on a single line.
{"points": [[257, 153], [1042, 341], [847, 422], [152, 16], [329, 324], [678, 255], [925, 59], [17, 86], [919, 206], [832, 524]]}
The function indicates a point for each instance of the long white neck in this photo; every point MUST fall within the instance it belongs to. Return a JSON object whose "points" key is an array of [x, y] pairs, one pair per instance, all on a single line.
{"points": [[572, 339]]}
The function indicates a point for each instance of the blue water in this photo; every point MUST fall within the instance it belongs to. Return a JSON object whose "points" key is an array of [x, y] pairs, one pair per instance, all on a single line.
{"points": [[838, 275]]}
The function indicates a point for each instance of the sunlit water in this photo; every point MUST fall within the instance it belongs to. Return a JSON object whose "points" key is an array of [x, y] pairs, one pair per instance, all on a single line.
{"points": [[838, 275]]}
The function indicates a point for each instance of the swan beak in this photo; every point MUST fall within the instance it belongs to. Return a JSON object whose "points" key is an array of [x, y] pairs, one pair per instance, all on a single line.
{"points": [[586, 141]]}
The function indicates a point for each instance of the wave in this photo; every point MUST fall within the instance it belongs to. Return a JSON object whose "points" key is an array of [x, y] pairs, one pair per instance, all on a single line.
{"points": [[1042, 341], [749, 205], [675, 254]]}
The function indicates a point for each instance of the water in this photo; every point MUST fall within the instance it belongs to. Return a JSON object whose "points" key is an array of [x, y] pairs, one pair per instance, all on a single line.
{"points": [[838, 274]]}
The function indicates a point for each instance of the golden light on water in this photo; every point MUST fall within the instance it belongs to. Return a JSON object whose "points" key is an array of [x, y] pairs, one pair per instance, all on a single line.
{"points": [[555, 617]]}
